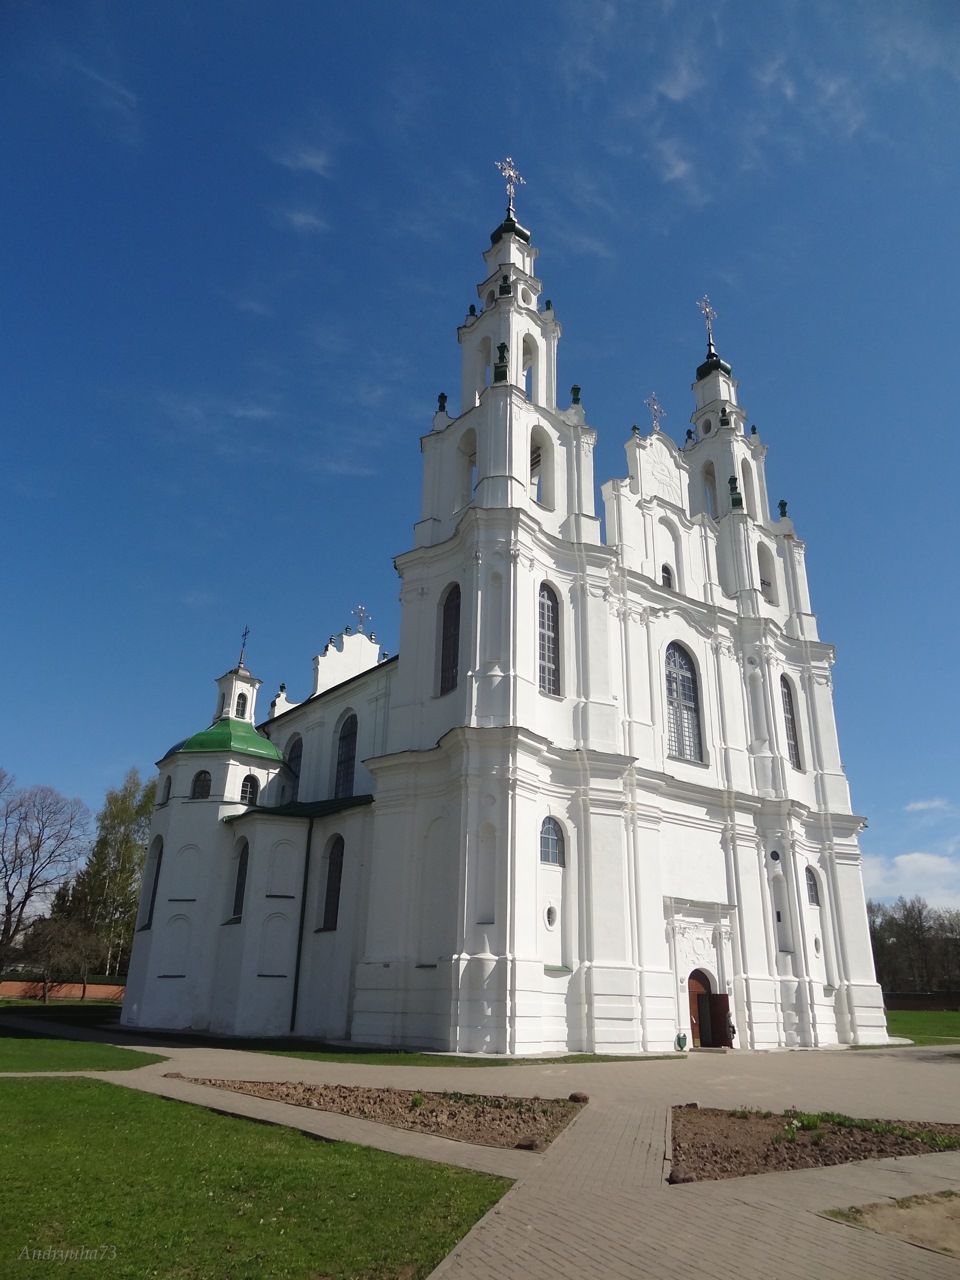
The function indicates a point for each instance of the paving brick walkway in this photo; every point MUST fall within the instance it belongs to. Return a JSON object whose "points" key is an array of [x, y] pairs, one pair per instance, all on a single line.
{"points": [[595, 1205]]}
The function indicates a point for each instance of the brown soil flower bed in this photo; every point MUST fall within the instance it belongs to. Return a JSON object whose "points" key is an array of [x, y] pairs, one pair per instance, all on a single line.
{"points": [[709, 1143], [529, 1123]]}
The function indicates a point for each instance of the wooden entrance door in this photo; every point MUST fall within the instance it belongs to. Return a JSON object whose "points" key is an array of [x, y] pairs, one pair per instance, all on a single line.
{"points": [[719, 1015], [698, 990]]}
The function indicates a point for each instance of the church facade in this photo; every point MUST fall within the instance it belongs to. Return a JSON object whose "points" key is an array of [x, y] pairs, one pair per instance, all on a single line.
{"points": [[595, 804]]}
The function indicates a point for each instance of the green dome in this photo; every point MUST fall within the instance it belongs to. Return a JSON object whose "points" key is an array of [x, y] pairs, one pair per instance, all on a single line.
{"points": [[235, 737]]}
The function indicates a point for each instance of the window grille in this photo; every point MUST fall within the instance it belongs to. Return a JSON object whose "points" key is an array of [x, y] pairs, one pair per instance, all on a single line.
{"points": [[249, 790], [813, 889], [549, 641], [683, 706], [241, 706], [201, 786], [551, 843]]}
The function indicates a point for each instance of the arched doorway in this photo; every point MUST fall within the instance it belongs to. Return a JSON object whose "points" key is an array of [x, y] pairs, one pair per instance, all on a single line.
{"points": [[709, 1014]]}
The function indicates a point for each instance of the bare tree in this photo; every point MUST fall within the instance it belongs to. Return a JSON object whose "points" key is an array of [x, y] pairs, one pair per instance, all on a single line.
{"points": [[43, 836]]}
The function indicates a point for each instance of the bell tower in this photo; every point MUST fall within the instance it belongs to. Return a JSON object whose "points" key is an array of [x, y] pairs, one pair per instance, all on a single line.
{"points": [[511, 447]]}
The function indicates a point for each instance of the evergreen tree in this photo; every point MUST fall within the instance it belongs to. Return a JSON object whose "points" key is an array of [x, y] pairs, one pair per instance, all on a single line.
{"points": [[104, 895]]}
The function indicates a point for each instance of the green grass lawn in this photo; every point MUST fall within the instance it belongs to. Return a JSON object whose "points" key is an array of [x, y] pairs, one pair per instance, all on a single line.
{"points": [[20, 1051], [925, 1026], [80, 1013], [167, 1189]]}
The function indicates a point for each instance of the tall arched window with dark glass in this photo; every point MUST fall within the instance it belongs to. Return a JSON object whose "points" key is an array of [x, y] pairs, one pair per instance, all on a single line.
{"points": [[240, 884], [294, 763], [241, 706], [548, 648], [790, 722], [450, 640], [683, 706], [346, 759], [331, 893]]}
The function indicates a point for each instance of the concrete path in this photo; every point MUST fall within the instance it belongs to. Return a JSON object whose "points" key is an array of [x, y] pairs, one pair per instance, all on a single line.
{"points": [[596, 1205]]}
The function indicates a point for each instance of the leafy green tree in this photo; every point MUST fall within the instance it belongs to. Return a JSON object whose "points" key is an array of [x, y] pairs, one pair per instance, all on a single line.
{"points": [[60, 948], [103, 896]]}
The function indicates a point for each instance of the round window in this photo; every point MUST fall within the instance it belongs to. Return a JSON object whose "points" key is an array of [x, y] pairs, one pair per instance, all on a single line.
{"points": [[707, 427], [816, 945], [551, 916], [526, 296], [491, 298]]}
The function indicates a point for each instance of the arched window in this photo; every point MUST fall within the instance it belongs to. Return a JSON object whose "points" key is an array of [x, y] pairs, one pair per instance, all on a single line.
{"points": [[156, 857], [542, 468], [549, 641], [790, 721], [331, 893], [201, 786], [450, 640], [241, 706], [346, 759], [683, 706], [710, 487], [249, 790], [551, 843], [666, 576], [167, 784], [768, 574], [294, 756], [749, 494], [531, 366], [466, 470], [813, 889], [240, 887]]}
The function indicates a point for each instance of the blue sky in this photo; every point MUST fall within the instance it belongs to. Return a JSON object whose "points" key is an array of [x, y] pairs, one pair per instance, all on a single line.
{"points": [[237, 239]]}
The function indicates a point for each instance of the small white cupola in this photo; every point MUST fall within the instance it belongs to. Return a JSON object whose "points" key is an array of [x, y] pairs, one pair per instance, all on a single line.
{"points": [[510, 342], [237, 698], [715, 388]]}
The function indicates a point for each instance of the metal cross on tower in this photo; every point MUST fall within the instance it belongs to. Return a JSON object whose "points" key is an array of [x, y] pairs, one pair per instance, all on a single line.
{"points": [[361, 615], [709, 315], [513, 179], [243, 645], [657, 410]]}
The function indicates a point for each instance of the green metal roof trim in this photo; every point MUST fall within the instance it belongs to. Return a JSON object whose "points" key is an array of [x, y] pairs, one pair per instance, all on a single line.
{"points": [[236, 737], [304, 808]]}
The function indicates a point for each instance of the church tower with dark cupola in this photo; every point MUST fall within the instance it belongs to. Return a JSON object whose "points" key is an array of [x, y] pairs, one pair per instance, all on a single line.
{"points": [[595, 804]]}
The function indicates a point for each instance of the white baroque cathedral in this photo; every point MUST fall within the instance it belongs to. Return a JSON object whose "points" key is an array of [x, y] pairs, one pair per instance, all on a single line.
{"points": [[595, 804]]}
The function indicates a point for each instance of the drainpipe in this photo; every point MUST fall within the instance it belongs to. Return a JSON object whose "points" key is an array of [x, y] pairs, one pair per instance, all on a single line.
{"points": [[303, 916]]}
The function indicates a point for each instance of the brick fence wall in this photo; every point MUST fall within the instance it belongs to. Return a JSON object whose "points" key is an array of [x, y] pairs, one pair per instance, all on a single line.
{"points": [[60, 991]]}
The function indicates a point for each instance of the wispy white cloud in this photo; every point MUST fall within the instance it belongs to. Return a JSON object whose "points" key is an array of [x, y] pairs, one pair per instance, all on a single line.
{"points": [[116, 106], [252, 306], [925, 806], [306, 159], [934, 876], [683, 79], [202, 410], [301, 219]]}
